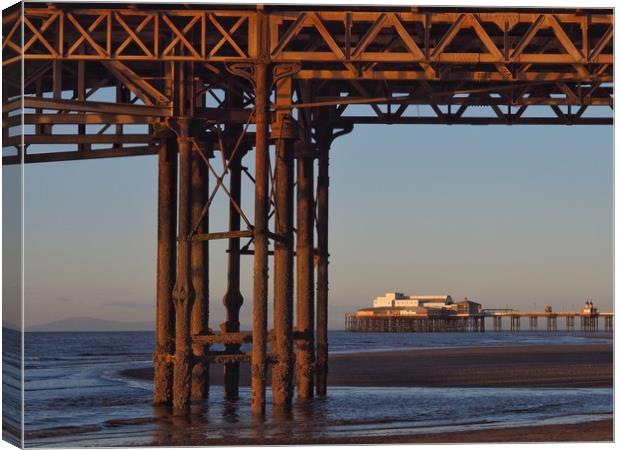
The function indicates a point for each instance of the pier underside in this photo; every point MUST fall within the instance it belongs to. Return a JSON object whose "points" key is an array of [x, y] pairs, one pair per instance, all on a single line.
{"points": [[204, 86]]}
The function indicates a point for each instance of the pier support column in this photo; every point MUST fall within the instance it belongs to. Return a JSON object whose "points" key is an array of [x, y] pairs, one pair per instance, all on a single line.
{"points": [[261, 247], [183, 293], [322, 285], [304, 354], [166, 268], [552, 323], [200, 277], [285, 134], [233, 299]]}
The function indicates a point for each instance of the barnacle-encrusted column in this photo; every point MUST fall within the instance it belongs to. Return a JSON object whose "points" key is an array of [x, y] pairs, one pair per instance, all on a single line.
{"points": [[183, 293], [233, 299], [284, 133], [261, 245], [304, 354], [200, 276], [322, 199], [166, 268]]}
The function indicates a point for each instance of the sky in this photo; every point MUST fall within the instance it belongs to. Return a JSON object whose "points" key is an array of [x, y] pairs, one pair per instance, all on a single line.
{"points": [[517, 217]]}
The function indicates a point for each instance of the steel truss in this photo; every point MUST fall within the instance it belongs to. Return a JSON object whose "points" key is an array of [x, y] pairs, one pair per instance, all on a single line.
{"points": [[455, 66]]}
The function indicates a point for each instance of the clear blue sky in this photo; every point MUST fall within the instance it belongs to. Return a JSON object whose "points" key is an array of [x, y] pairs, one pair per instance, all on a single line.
{"points": [[507, 216]]}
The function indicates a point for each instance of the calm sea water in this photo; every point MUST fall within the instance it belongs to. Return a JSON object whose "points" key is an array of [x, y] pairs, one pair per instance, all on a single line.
{"points": [[75, 395]]}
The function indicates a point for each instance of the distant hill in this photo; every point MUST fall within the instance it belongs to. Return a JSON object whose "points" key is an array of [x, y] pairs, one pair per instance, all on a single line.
{"points": [[10, 325], [91, 324]]}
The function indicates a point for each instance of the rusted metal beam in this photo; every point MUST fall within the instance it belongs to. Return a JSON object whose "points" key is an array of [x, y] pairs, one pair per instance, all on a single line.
{"points": [[140, 87], [304, 353], [285, 134], [322, 200], [450, 120], [166, 270], [86, 106], [223, 235], [224, 338], [207, 116], [233, 299], [183, 293], [79, 156], [77, 139], [435, 98], [80, 119], [261, 213], [200, 276]]}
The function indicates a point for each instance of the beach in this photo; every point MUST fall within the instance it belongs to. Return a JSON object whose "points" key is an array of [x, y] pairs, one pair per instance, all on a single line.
{"points": [[546, 366], [519, 366], [596, 431]]}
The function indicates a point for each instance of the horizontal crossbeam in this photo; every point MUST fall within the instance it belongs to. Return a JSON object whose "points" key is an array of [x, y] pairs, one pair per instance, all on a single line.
{"points": [[80, 155], [223, 338], [85, 106], [453, 120], [223, 235], [78, 139]]}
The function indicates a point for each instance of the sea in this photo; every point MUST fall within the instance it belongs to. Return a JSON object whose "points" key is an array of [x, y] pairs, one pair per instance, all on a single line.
{"points": [[76, 395]]}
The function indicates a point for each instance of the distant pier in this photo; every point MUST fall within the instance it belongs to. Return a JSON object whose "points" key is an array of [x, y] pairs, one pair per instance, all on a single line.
{"points": [[395, 313], [401, 324]]}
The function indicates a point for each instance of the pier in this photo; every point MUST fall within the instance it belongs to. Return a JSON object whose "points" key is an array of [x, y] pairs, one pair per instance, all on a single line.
{"points": [[476, 322], [395, 312], [229, 96]]}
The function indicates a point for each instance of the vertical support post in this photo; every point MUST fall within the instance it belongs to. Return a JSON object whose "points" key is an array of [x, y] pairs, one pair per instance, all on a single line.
{"points": [[233, 300], [595, 318], [285, 133], [166, 261], [80, 94], [122, 96], [200, 276], [261, 244], [305, 272], [57, 79], [322, 286], [39, 129], [183, 294], [56, 88], [166, 268]]}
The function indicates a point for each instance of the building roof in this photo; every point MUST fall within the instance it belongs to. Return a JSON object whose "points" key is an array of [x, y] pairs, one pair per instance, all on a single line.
{"points": [[466, 301]]}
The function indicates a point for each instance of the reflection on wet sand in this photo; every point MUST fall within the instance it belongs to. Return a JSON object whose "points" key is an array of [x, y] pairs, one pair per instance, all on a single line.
{"points": [[371, 413]]}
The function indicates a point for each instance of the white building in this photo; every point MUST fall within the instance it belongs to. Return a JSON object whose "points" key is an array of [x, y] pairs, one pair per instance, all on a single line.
{"points": [[388, 300], [397, 299], [427, 301]]}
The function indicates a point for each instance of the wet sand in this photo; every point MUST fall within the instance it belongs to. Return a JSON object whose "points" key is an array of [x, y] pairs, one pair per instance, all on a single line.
{"points": [[596, 431], [557, 366], [535, 366]]}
